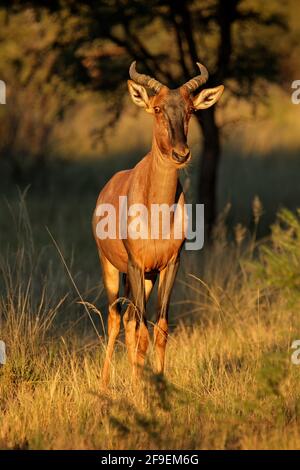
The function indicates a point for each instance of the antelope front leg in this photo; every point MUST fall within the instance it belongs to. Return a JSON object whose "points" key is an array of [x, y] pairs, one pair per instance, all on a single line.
{"points": [[111, 282], [166, 281], [135, 323]]}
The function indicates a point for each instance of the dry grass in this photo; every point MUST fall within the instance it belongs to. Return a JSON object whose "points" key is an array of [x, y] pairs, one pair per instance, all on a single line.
{"points": [[229, 382]]}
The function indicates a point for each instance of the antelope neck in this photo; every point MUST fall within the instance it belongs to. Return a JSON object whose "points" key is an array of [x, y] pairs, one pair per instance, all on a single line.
{"points": [[163, 178]]}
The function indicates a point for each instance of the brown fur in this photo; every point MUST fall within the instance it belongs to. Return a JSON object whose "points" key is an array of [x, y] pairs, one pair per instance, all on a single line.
{"points": [[154, 180]]}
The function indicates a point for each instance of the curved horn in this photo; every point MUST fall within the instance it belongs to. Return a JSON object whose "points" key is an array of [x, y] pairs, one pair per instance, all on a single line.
{"points": [[197, 81], [145, 80]]}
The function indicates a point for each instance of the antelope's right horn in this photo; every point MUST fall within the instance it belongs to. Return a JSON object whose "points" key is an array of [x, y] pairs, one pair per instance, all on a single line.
{"points": [[144, 80]]}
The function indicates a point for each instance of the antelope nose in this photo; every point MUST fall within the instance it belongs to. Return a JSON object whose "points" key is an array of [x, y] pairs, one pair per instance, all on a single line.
{"points": [[179, 158]]}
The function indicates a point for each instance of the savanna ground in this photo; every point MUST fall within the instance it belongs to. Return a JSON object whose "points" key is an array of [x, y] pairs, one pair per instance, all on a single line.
{"points": [[229, 383]]}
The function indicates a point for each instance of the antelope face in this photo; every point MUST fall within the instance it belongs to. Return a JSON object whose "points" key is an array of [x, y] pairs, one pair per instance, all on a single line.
{"points": [[172, 110]]}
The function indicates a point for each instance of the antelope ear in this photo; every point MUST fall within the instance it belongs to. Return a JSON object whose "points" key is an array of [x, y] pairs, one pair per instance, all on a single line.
{"points": [[207, 97], [138, 94]]}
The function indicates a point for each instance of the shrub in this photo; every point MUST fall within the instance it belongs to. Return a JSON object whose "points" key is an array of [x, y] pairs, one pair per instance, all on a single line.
{"points": [[278, 263]]}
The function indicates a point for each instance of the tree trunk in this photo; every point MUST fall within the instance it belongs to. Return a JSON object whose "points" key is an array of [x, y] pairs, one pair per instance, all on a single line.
{"points": [[207, 189]]}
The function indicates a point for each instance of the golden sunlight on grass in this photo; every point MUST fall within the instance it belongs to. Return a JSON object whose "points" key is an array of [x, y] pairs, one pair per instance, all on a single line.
{"points": [[229, 384]]}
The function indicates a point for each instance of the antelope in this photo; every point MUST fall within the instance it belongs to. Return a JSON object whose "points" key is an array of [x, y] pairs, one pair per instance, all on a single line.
{"points": [[154, 180]]}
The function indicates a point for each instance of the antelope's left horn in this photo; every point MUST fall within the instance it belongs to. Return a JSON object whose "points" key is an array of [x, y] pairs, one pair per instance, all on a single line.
{"points": [[144, 80], [197, 81]]}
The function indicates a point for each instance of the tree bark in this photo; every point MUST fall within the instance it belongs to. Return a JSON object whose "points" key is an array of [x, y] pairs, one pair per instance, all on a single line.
{"points": [[207, 187]]}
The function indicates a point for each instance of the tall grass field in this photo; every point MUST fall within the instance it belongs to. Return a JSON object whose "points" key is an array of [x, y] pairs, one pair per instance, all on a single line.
{"points": [[230, 381]]}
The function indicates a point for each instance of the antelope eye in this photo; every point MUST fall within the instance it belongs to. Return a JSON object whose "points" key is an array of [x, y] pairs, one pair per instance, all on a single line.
{"points": [[192, 110], [157, 109]]}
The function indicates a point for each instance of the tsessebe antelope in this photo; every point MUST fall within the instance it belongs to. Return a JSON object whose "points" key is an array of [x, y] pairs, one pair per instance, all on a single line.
{"points": [[154, 180]]}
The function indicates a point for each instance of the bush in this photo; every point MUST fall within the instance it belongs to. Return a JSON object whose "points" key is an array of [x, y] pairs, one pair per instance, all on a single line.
{"points": [[278, 263]]}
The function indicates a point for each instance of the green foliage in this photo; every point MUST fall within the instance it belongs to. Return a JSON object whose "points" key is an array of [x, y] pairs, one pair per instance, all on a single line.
{"points": [[38, 94], [278, 263], [92, 44], [272, 372]]}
